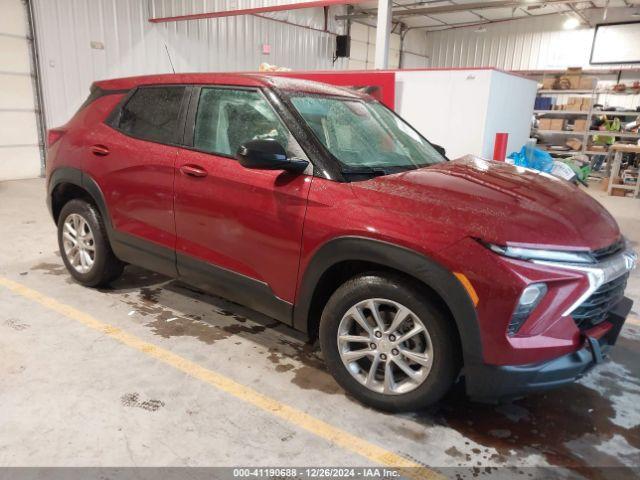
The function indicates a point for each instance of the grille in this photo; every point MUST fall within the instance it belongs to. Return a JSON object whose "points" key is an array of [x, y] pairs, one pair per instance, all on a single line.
{"points": [[594, 309], [605, 252]]}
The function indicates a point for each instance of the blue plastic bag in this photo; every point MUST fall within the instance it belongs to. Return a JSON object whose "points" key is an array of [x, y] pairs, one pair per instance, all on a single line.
{"points": [[533, 158]]}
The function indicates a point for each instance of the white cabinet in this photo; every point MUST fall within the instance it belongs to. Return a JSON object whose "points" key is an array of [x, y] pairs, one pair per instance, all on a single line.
{"points": [[462, 110]]}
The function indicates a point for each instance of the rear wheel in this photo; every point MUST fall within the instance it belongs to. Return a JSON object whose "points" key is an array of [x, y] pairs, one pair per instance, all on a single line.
{"points": [[386, 344], [84, 245]]}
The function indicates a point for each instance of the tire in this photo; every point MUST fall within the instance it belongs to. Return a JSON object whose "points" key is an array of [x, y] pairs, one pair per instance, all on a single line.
{"points": [[105, 267], [437, 347]]}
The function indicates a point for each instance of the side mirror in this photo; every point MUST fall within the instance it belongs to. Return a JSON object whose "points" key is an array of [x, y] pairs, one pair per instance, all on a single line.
{"points": [[268, 155]]}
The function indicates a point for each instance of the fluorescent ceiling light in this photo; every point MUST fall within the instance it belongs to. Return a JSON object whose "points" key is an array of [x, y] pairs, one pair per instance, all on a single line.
{"points": [[571, 23]]}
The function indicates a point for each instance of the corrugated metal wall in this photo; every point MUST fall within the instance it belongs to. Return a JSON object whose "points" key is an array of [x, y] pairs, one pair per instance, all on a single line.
{"points": [[84, 40], [527, 44], [414, 50]]}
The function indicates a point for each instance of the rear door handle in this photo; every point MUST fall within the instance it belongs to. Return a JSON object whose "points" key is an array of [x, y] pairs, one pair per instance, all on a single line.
{"points": [[193, 170], [99, 150]]}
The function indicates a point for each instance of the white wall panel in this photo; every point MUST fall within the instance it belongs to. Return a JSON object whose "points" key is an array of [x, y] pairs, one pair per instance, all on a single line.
{"points": [[410, 60], [363, 48], [360, 32], [19, 162], [18, 128], [19, 151], [12, 20], [14, 55], [16, 92], [525, 44], [357, 64]]}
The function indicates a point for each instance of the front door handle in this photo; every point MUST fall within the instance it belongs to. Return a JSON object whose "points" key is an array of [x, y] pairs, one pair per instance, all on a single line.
{"points": [[193, 170], [100, 150]]}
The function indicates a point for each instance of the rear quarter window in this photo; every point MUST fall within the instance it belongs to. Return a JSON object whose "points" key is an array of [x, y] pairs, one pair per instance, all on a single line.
{"points": [[151, 113]]}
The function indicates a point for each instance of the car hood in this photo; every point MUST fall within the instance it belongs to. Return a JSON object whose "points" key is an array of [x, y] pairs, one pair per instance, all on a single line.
{"points": [[498, 203]]}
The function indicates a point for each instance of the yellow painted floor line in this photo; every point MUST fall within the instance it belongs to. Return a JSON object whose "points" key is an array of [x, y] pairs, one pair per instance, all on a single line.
{"points": [[292, 415]]}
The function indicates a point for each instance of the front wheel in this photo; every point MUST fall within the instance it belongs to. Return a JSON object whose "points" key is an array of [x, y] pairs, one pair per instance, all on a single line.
{"points": [[84, 245], [387, 345]]}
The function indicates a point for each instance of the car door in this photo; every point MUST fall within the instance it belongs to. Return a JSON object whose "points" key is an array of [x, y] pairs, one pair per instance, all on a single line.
{"points": [[134, 166], [238, 230]]}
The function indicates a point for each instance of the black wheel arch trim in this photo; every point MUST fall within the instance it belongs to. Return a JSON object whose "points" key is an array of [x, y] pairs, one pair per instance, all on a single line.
{"points": [[428, 271], [79, 178]]}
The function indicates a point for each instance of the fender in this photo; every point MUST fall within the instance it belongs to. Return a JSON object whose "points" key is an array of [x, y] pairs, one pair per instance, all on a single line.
{"points": [[437, 277], [77, 177]]}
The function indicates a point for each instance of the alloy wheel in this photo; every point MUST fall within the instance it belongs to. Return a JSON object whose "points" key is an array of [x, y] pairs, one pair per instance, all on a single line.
{"points": [[78, 242], [385, 346]]}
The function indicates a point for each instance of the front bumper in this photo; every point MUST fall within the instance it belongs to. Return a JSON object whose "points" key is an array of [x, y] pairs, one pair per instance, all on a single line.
{"points": [[492, 383]]}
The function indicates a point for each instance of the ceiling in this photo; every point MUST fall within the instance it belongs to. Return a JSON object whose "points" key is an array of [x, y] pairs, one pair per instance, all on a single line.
{"points": [[407, 11]]}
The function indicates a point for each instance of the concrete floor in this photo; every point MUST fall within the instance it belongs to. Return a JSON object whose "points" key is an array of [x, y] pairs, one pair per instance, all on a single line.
{"points": [[74, 396]]}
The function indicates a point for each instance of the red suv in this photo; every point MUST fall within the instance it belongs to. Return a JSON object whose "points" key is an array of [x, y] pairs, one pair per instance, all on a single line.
{"points": [[320, 207]]}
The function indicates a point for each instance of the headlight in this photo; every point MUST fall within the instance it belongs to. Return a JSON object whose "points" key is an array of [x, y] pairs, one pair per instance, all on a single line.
{"points": [[541, 254], [531, 296]]}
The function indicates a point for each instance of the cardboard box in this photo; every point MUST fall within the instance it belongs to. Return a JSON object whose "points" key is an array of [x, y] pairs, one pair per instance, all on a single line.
{"points": [[588, 83], [585, 104], [544, 124], [579, 125], [574, 101], [548, 83], [574, 143], [557, 124], [574, 82], [574, 74]]}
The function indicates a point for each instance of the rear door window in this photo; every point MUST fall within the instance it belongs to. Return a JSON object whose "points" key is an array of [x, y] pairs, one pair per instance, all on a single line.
{"points": [[152, 114], [226, 118]]}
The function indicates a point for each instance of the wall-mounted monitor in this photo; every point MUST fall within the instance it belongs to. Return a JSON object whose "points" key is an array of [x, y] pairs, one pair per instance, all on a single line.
{"points": [[616, 43]]}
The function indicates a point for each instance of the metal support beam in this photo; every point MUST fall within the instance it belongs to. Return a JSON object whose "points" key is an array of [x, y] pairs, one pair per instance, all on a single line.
{"points": [[255, 10], [383, 33], [398, 13]]}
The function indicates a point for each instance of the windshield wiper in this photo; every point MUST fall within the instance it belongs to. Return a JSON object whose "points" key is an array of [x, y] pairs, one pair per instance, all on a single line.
{"points": [[365, 171]]}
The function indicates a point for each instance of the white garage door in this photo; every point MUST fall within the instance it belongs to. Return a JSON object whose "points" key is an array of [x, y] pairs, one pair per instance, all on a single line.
{"points": [[19, 151]]}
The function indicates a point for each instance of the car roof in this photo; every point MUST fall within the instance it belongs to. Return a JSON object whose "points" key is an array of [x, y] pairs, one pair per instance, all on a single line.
{"points": [[277, 81]]}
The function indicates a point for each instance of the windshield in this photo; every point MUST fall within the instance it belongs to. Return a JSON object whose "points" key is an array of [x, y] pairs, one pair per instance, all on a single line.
{"points": [[365, 135]]}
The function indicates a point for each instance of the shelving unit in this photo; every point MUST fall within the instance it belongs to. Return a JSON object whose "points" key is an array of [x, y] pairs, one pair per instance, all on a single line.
{"points": [[589, 133], [562, 112], [565, 92], [585, 135]]}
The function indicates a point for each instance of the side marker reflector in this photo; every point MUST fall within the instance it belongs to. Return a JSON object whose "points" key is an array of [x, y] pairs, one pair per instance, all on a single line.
{"points": [[468, 287]]}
